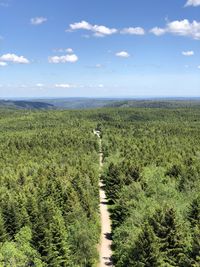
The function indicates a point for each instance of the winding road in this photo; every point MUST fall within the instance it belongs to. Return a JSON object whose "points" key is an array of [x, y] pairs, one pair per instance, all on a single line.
{"points": [[105, 251]]}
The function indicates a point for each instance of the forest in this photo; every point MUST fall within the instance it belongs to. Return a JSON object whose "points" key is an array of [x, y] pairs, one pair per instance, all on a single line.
{"points": [[48, 189], [152, 178], [49, 195]]}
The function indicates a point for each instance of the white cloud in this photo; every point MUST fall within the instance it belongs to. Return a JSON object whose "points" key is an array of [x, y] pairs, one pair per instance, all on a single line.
{"points": [[101, 86], [69, 50], [123, 54], [103, 30], [198, 67], [98, 30], [38, 20], [64, 85], [158, 31], [62, 50], [14, 59], [188, 53], [63, 59], [3, 64], [133, 31], [185, 28], [182, 28], [83, 25], [193, 3], [40, 85]]}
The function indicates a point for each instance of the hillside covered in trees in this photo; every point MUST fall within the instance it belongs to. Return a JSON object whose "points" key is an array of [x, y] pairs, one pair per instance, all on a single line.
{"points": [[48, 190], [49, 195], [77, 103], [152, 178]]}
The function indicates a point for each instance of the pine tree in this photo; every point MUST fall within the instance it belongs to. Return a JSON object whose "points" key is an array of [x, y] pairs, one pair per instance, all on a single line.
{"points": [[170, 238], [145, 252], [10, 212], [57, 246], [19, 252], [113, 182], [195, 254], [3, 234], [194, 212]]}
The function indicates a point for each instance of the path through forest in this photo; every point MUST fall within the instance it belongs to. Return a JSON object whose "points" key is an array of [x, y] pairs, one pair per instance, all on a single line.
{"points": [[105, 251]]}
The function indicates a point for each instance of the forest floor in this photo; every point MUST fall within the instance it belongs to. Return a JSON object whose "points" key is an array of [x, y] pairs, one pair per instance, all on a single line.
{"points": [[105, 251]]}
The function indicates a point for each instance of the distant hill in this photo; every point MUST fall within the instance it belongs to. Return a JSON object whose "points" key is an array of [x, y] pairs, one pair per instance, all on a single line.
{"points": [[90, 103], [158, 103], [21, 104], [78, 103]]}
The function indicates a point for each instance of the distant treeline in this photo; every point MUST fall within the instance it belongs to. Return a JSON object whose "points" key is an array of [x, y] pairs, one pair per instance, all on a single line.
{"points": [[162, 103], [94, 103], [22, 104]]}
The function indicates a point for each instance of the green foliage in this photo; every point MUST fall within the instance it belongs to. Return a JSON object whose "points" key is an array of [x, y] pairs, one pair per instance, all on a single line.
{"points": [[195, 253], [152, 175], [49, 186], [20, 252], [168, 231], [145, 252], [57, 243], [194, 212], [49, 180]]}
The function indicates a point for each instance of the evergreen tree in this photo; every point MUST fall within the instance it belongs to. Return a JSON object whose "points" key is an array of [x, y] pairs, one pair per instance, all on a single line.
{"points": [[20, 253], [195, 254], [171, 242], [194, 212], [113, 182], [3, 234], [56, 240], [145, 252]]}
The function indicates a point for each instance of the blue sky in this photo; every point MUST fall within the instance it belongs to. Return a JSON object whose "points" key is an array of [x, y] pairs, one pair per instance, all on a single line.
{"points": [[99, 48]]}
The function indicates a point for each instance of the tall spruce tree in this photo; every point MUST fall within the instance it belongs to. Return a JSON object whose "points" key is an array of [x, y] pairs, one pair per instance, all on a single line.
{"points": [[3, 234], [145, 252], [195, 254], [169, 234], [57, 246], [194, 212]]}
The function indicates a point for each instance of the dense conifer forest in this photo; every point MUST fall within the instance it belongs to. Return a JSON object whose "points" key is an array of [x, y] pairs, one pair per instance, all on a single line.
{"points": [[49, 195], [48, 189], [152, 178]]}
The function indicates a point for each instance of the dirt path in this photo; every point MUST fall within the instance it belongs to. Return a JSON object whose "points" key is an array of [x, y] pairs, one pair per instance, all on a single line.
{"points": [[105, 251]]}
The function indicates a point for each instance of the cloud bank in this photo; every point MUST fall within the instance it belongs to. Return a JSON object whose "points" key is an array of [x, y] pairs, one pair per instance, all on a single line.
{"points": [[193, 3], [63, 59], [101, 30], [14, 59], [181, 28], [64, 85], [98, 30], [3, 64], [188, 53], [133, 31]]}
